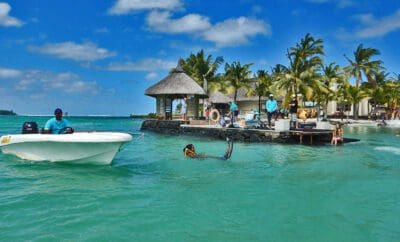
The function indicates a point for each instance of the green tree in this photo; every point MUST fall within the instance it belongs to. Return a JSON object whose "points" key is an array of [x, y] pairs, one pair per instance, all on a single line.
{"points": [[362, 65], [201, 68], [237, 76], [331, 75], [263, 86], [301, 76]]}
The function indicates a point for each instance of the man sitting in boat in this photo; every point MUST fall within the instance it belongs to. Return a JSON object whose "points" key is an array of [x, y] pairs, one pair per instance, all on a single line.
{"points": [[190, 151], [58, 125]]}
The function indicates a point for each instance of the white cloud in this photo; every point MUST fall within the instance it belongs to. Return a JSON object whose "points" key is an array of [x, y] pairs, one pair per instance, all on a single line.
{"points": [[5, 19], [9, 73], [379, 27], [162, 22], [128, 6], [70, 50], [371, 27], [143, 65], [232, 32], [34, 81], [151, 76]]}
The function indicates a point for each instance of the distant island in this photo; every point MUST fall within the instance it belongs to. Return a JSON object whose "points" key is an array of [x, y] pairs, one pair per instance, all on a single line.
{"points": [[7, 113]]}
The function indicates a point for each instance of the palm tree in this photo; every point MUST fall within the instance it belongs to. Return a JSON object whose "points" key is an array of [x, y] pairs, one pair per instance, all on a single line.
{"points": [[331, 75], [237, 76], [202, 69], [304, 61], [363, 65], [391, 88], [263, 86], [375, 89], [355, 94]]}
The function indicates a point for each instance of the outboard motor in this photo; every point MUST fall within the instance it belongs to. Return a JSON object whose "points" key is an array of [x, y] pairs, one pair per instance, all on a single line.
{"points": [[30, 128]]}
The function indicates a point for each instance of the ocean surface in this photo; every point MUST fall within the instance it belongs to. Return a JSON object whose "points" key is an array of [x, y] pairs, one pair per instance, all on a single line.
{"points": [[265, 192]]}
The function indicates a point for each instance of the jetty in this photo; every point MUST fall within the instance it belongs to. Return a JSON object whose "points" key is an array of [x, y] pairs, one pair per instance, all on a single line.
{"points": [[297, 136]]}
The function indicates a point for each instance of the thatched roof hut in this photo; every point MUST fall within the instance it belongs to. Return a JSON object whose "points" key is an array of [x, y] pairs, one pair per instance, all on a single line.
{"points": [[219, 97], [176, 85]]}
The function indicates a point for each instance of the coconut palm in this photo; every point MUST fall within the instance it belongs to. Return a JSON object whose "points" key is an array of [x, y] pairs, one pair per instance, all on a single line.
{"points": [[355, 94], [331, 75], [263, 86], [363, 65], [375, 89], [391, 88], [301, 76], [202, 68], [237, 76]]}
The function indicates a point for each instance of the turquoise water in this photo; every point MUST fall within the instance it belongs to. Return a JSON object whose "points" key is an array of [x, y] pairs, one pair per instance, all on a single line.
{"points": [[266, 192]]}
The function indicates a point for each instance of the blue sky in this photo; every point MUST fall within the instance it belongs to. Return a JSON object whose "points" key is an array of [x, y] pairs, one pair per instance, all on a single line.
{"points": [[98, 57]]}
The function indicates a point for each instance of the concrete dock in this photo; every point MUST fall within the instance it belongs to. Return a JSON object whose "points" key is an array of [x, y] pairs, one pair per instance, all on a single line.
{"points": [[299, 136]]}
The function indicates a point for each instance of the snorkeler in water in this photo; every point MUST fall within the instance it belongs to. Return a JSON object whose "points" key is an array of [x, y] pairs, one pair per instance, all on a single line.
{"points": [[190, 151]]}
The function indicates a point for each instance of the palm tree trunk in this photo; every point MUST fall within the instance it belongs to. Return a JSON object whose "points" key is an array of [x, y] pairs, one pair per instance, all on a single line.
{"points": [[235, 96], [325, 110], [259, 104], [355, 110]]}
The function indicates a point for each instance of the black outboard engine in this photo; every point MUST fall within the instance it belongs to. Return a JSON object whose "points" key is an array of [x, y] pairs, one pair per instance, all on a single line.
{"points": [[30, 128]]}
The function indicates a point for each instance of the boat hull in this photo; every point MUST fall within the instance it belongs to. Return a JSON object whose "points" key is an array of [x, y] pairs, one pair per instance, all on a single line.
{"points": [[99, 148]]}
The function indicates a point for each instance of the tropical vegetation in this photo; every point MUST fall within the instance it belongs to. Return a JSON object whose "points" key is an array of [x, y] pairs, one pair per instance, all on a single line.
{"points": [[306, 76]]}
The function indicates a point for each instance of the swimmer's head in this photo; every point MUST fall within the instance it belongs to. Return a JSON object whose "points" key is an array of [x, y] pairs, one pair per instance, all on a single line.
{"points": [[188, 146]]}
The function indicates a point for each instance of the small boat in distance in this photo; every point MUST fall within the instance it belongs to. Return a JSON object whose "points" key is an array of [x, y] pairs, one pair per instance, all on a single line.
{"points": [[79, 147]]}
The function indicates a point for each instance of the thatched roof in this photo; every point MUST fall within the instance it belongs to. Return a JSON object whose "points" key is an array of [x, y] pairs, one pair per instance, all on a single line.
{"points": [[218, 97], [176, 83]]}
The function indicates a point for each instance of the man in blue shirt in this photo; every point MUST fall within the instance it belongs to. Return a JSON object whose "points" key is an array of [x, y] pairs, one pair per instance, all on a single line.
{"points": [[234, 111], [57, 125], [272, 107]]}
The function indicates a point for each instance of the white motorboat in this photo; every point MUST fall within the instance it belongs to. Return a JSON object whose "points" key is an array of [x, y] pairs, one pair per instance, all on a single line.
{"points": [[80, 147]]}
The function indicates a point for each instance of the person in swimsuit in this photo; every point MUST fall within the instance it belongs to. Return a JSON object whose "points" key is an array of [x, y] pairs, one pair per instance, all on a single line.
{"points": [[337, 135], [190, 151]]}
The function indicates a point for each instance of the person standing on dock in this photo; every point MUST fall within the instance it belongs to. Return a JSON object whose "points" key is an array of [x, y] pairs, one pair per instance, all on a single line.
{"points": [[293, 111], [234, 111], [272, 108], [184, 109]]}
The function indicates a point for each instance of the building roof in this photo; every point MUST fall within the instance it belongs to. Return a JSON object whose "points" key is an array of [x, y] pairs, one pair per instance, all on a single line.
{"points": [[219, 97], [176, 83]]}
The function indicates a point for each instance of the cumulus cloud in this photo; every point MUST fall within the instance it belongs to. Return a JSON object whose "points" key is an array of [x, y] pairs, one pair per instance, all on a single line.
{"points": [[379, 27], [149, 64], [162, 22], [46, 81], [371, 27], [77, 52], [9, 73], [128, 6], [232, 32], [5, 19]]}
